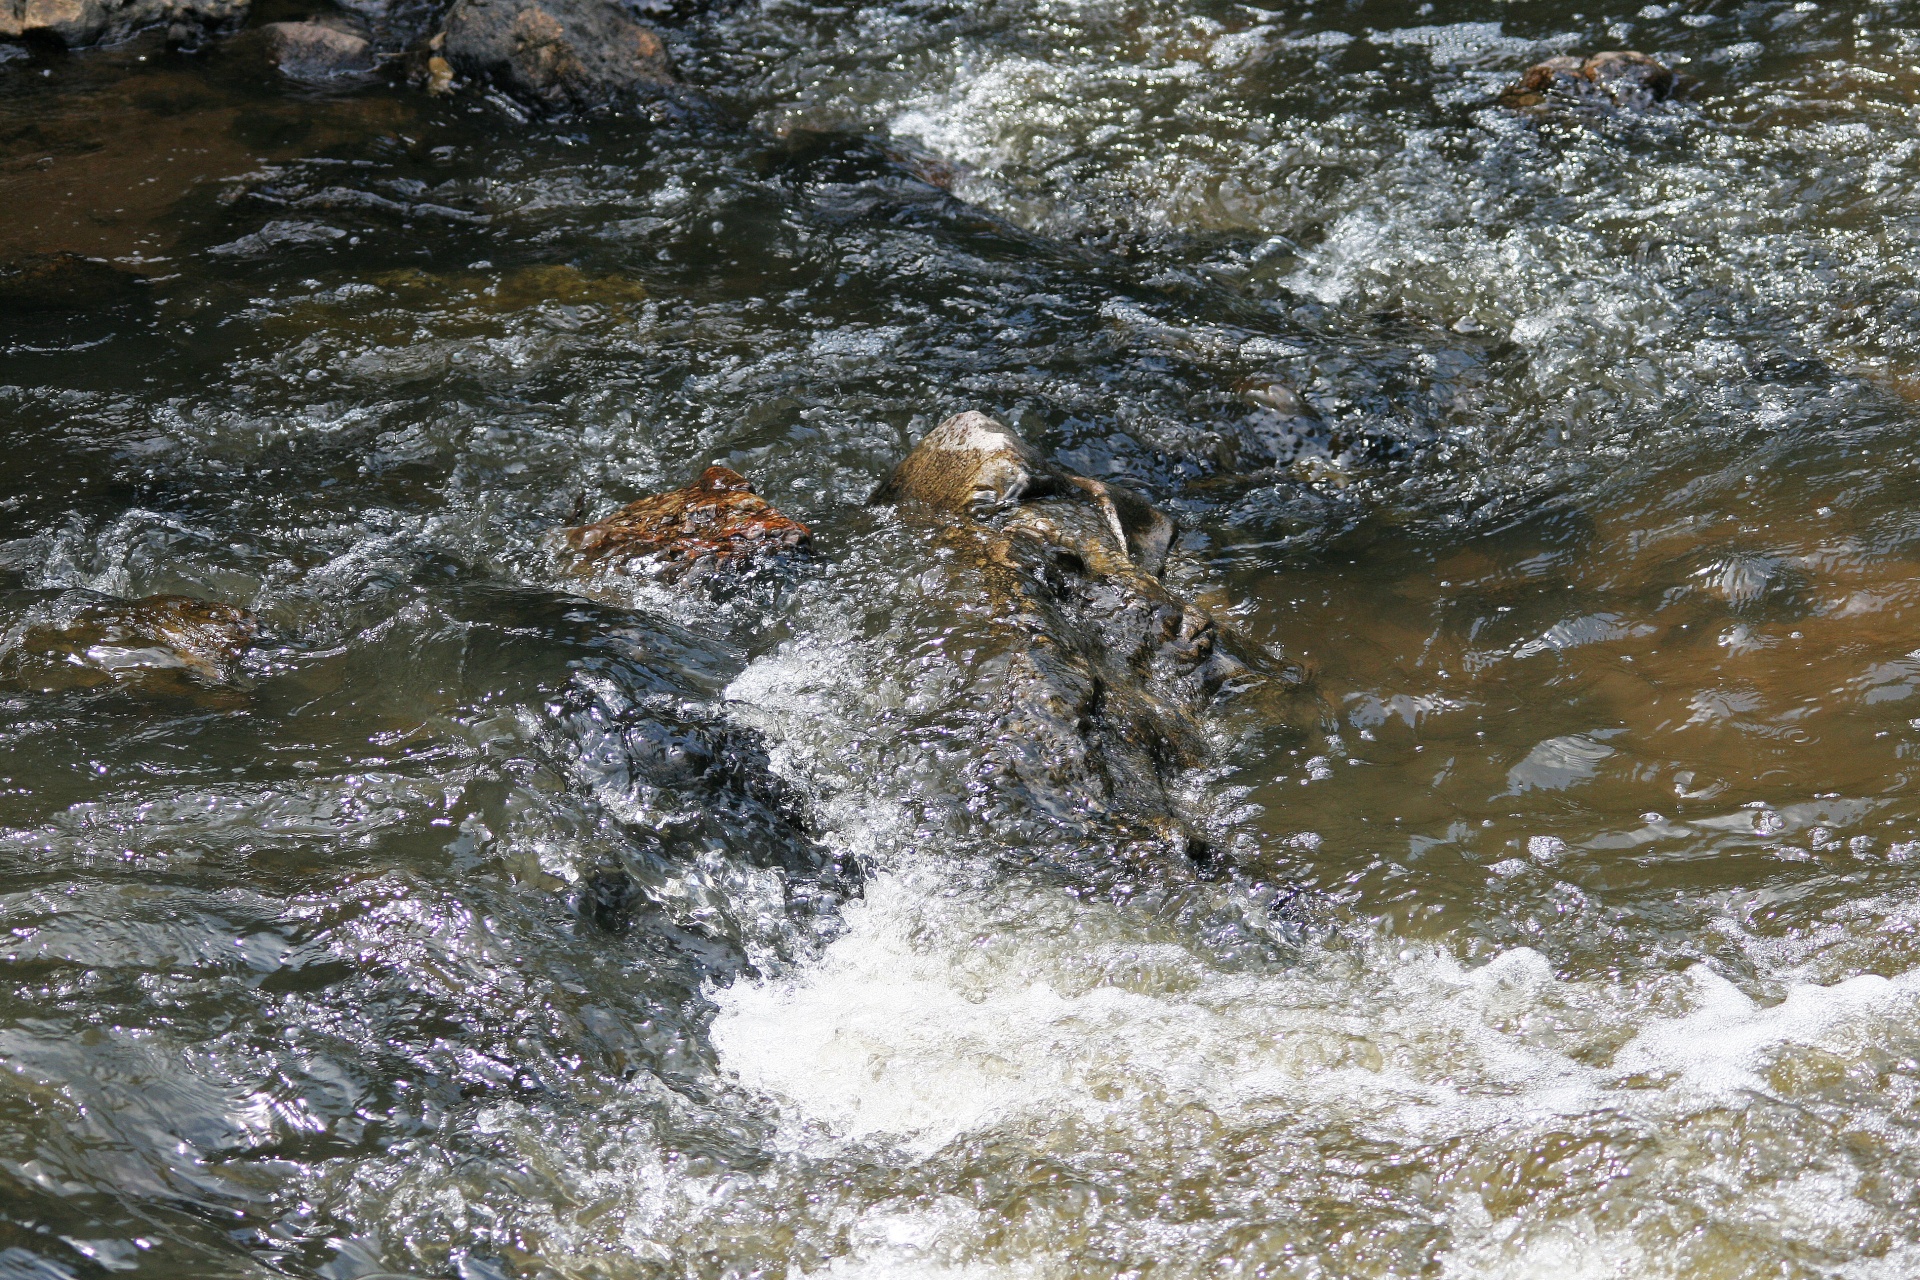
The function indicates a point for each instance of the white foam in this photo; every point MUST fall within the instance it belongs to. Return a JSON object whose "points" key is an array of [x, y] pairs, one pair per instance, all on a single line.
{"points": [[944, 1018]]}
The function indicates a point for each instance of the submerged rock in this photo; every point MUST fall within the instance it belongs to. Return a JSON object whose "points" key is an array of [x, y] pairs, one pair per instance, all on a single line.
{"points": [[1620, 78], [50, 283], [717, 524], [85, 639], [1100, 669], [316, 50], [560, 54]]}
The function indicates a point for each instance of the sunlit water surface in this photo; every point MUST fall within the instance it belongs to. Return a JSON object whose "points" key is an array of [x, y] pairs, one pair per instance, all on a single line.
{"points": [[484, 930]]}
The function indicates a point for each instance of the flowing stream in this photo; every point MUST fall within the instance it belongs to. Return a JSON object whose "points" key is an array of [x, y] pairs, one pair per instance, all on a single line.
{"points": [[490, 925]]}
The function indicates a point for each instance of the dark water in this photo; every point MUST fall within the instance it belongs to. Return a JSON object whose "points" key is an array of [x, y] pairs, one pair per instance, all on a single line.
{"points": [[483, 929]]}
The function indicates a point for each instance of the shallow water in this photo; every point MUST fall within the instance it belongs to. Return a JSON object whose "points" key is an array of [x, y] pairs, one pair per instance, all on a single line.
{"points": [[494, 923]]}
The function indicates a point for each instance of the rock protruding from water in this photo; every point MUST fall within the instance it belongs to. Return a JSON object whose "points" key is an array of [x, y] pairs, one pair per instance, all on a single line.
{"points": [[1100, 670], [79, 22], [563, 55], [85, 639], [718, 524], [1619, 78], [973, 465], [316, 50]]}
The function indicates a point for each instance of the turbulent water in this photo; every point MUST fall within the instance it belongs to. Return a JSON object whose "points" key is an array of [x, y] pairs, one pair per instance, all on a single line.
{"points": [[1569, 916]]}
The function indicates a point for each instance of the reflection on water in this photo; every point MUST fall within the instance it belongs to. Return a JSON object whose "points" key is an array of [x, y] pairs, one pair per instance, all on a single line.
{"points": [[468, 927]]}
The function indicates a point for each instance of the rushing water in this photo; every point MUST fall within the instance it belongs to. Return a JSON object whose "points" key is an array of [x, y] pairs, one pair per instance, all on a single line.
{"points": [[480, 929]]}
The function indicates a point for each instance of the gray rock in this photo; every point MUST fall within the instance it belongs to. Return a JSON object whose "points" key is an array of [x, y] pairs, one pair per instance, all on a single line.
{"points": [[278, 235], [78, 22], [316, 51], [1097, 671], [560, 54]]}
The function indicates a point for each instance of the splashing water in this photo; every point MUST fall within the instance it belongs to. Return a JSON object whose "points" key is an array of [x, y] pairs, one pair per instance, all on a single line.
{"points": [[480, 928]]}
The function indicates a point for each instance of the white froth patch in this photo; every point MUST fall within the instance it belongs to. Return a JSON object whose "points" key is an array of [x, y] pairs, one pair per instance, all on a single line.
{"points": [[926, 1022], [1722, 1046], [1574, 1251], [941, 1017], [986, 118]]}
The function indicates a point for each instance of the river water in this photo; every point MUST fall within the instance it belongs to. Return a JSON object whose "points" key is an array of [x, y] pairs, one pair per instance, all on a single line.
{"points": [[486, 929]]}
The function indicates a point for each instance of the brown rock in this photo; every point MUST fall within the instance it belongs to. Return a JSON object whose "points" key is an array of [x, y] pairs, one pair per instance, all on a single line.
{"points": [[716, 524], [973, 465], [1620, 78], [98, 639], [561, 54], [316, 51]]}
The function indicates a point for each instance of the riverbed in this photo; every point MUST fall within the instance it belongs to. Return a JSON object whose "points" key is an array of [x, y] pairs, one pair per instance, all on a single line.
{"points": [[491, 924]]}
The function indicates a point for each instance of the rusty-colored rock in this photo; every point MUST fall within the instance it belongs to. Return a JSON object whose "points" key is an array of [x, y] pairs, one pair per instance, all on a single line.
{"points": [[716, 524], [1620, 78]]}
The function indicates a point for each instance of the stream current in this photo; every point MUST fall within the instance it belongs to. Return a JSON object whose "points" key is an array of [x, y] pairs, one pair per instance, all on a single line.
{"points": [[1569, 915]]}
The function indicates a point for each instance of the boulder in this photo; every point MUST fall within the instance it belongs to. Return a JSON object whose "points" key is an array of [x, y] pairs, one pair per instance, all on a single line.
{"points": [[86, 639], [78, 22], [1619, 78], [1097, 671], [316, 50], [564, 55], [716, 525]]}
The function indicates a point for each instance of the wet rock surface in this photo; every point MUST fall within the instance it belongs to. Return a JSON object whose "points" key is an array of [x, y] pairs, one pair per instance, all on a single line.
{"points": [[716, 525], [563, 55], [1102, 669], [83, 639], [79, 22], [316, 50], [1617, 78]]}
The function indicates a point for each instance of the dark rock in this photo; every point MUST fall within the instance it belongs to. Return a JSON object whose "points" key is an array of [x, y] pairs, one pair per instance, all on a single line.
{"points": [[85, 639], [1620, 78], [717, 524], [316, 50], [62, 282], [78, 22], [1098, 670], [560, 54]]}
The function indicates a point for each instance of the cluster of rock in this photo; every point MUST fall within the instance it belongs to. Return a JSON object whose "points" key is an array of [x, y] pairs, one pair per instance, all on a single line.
{"points": [[1089, 689], [570, 55], [1097, 670], [1094, 678], [579, 55], [78, 22]]}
